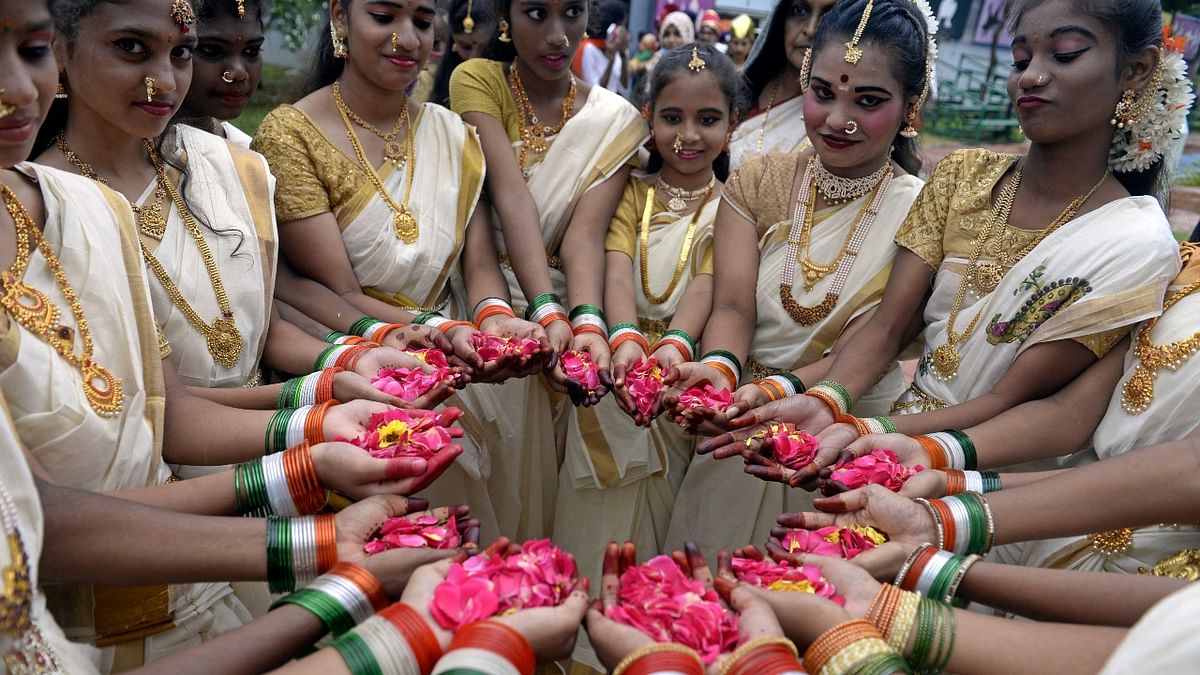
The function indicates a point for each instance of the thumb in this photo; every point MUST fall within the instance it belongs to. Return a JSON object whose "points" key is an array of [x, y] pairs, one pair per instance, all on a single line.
{"points": [[403, 467]]}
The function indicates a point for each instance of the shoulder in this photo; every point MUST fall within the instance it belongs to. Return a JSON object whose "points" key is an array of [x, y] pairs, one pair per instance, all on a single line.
{"points": [[285, 119], [478, 70]]}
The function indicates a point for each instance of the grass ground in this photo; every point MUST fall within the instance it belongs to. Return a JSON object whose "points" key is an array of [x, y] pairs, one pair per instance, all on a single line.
{"points": [[278, 87]]}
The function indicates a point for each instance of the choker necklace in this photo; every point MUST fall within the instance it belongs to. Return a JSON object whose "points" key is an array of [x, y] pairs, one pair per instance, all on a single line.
{"points": [[533, 132], [837, 190], [150, 218], [678, 197], [392, 149]]}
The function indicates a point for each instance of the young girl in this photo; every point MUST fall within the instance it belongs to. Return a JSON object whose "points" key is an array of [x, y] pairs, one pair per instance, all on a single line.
{"points": [[621, 474], [558, 153], [773, 69], [804, 248]]}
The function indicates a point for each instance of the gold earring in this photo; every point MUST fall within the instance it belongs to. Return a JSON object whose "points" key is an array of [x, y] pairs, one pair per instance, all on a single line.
{"points": [[241, 8], [61, 93], [6, 109], [395, 43], [806, 70], [504, 37], [468, 23], [338, 38], [909, 131], [1134, 106], [1123, 115], [149, 89], [677, 146]]}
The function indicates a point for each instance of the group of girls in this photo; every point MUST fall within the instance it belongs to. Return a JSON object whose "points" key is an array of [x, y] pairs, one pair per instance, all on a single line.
{"points": [[758, 238]]}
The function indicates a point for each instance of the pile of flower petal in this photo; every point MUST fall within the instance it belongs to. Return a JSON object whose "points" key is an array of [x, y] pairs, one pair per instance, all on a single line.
{"points": [[410, 384], [881, 467], [579, 367], [404, 432], [833, 541], [493, 347], [707, 396], [785, 576], [791, 447], [539, 575], [659, 600], [644, 382], [415, 532]]}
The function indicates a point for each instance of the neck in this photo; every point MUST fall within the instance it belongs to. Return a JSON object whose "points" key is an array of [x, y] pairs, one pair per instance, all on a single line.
{"points": [[113, 155], [1065, 170], [539, 90], [692, 181], [857, 171], [378, 106], [203, 122]]}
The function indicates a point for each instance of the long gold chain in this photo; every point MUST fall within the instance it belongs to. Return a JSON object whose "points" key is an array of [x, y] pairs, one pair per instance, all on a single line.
{"points": [[533, 132], [762, 129], [391, 148], [405, 224], [1138, 390], [34, 310], [150, 218], [222, 335], [946, 359], [800, 234], [684, 252]]}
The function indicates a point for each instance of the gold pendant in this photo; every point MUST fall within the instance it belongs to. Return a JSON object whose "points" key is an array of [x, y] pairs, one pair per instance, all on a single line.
{"points": [[29, 306], [1138, 391], [102, 389], [986, 277], [225, 342], [945, 360], [150, 220], [853, 54], [394, 151], [1183, 564], [405, 224], [1113, 542], [676, 204]]}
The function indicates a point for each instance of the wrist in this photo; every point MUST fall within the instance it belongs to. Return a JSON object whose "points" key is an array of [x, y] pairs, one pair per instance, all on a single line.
{"points": [[308, 389], [282, 484], [490, 307], [545, 309], [298, 550], [489, 647], [727, 364], [621, 333], [587, 319], [664, 657], [684, 343], [342, 598]]}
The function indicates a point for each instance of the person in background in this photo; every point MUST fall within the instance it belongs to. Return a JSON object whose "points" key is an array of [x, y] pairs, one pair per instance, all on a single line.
{"points": [[647, 46], [675, 29], [601, 58], [226, 69], [423, 88], [741, 39], [467, 40], [708, 29]]}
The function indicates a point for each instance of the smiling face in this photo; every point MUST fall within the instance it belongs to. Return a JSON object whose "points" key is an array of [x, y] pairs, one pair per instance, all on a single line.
{"points": [[28, 75], [853, 112], [119, 46], [1065, 78], [801, 25], [692, 106], [391, 64], [538, 30], [229, 48]]}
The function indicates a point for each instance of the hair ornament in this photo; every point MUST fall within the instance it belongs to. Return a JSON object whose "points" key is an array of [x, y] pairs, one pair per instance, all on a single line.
{"points": [[853, 53], [931, 51], [241, 8], [468, 23], [696, 64], [1144, 141], [183, 14]]}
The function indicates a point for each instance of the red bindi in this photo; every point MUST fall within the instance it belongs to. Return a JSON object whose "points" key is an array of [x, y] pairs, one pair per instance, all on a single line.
{"points": [[845, 78]]}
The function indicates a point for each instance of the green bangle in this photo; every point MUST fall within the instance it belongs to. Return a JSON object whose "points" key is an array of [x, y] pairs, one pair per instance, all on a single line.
{"points": [[991, 481], [279, 556], [331, 612], [586, 309], [882, 664], [887, 423], [837, 388], [968, 447], [288, 392], [360, 325], [250, 489], [950, 629], [978, 522], [796, 382], [940, 585], [357, 655], [682, 335], [925, 627], [540, 301], [625, 325], [278, 420], [334, 336]]}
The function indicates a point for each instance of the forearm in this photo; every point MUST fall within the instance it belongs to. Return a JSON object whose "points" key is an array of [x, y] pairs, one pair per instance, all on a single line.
{"points": [[263, 397], [325, 662], [984, 644], [265, 643], [313, 299], [303, 321], [959, 416], [481, 269], [199, 432], [620, 297], [1023, 478], [583, 263], [92, 538], [210, 495], [694, 307], [1100, 598], [520, 226], [867, 353], [290, 349]]}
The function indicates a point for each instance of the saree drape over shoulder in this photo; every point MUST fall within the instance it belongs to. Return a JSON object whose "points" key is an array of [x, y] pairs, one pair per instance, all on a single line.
{"points": [[779, 129]]}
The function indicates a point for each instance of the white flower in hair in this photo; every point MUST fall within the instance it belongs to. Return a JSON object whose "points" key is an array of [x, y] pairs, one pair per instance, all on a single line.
{"points": [[931, 26], [1138, 146], [931, 21]]}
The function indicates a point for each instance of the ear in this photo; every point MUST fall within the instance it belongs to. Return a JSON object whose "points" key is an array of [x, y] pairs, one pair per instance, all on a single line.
{"points": [[337, 14], [1140, 70], [59, 46]]}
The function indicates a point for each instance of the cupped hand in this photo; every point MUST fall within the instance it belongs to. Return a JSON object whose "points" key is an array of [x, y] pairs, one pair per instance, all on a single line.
{"points": [[350, 386], [613, 641], [628, 355], [374, 360], [418, 592], [803, 412], [907, 449], [520, 329], [358, 522], [349, 420], [551, 631], [415, 336], [902, 519], [464, 347], [560, 334], [851, 581], [760, 460]]}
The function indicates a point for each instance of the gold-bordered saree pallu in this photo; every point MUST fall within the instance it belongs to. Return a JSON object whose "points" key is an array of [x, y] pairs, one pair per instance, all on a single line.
{"points": [[230, 192], [1172, 415], [781, 129], [719, 505], [91, 229], [1103, 270]]}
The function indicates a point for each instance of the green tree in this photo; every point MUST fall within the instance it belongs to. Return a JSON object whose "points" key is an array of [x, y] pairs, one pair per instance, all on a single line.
{"points": [[297, 20]]}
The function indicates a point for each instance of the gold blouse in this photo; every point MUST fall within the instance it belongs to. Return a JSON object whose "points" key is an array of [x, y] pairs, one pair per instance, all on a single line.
{"points": [[955, 207], [481, 85], [626, 226]]}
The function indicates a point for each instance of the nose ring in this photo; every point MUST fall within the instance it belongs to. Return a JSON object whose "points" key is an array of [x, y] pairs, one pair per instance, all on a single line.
{"points": [[851, 128], [227, 77]]}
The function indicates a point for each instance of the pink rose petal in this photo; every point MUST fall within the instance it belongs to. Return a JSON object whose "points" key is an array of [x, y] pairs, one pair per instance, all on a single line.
{"points": [[785, 577], [580, 367], [494, 347], [645, 382], [881, 467], [706, 397], [403, 432]]}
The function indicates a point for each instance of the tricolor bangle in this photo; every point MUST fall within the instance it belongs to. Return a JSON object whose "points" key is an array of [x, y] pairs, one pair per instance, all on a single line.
{"points": [[957, 449], [621, 333], [299, 549], [964, 521], [784, 385], [487, 647], [379, 333], [336, 337], [489, 307], [308, 390], [661, 658], [764, 656], [833, 395], [363, 326], [727, 363], [680, 340], [286, 428], [935, 573], [342, 598], [971, 481], [589, 319], [546, 309], [282, 484]]}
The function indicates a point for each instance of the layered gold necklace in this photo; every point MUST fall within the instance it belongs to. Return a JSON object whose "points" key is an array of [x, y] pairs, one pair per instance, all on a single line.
{"points": [[945, 360], [678, 198], [684, 252], [1138, 390], [34, 310], [150, 218], [392, 149], [405, 224], [800, 238], [222, 336], [533, 132]]}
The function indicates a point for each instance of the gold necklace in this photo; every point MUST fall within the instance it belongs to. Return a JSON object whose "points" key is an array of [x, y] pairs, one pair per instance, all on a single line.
{"points": [[391, 147], [684, 252], [945, 358], [223, 338], [404, 223], [150, 218], [800, 234], [680, 198], [762, 129], [533, 132], [33, 309], [1138, 390], [837, 190]]}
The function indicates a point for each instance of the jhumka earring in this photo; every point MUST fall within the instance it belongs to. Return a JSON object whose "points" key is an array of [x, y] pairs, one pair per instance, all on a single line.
{"points": [[696, 64], [853, 53], [6, 109], [909, 131], [338, 38], [395, 42], [61, 93], [227, 77], [1134, 106], [149, 89], [677, 146], [504, 32], [468, 24]]}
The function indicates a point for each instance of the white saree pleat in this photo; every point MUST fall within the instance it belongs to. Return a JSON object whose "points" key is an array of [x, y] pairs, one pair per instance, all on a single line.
{"points": [[781, 130]]}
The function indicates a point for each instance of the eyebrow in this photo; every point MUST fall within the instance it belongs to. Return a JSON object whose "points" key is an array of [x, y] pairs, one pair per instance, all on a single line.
{"points": [[867, 89], [1062, 30], [224, 40], [395, 5], [676, 108]]}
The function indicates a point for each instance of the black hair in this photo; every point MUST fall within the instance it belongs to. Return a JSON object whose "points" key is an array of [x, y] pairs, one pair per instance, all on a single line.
{"points": [[498, 50], [672, 65], [323, 67], [483, 13], [898, 27], [211, 9], [1136, 25], [610, 12]]}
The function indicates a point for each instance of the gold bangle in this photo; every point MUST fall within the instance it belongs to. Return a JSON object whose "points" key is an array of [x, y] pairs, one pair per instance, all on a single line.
{"points": [[750, 646], [652, 648]]}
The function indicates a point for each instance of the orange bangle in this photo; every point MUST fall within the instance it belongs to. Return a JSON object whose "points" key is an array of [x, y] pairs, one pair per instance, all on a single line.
{"points": [[314, 424], [937, 456], [833, 640], [379, 334], [684, 350], [326, 529], [366, 581], [883, 609], [446, 327], [545, 321], [416, 633], [853, 421], [303, 483], [626, 337], [499, 639], [956, 481], [324, 390], [949, 533], [725, 370], [589, 328], [827, 399], [488, 312]]}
